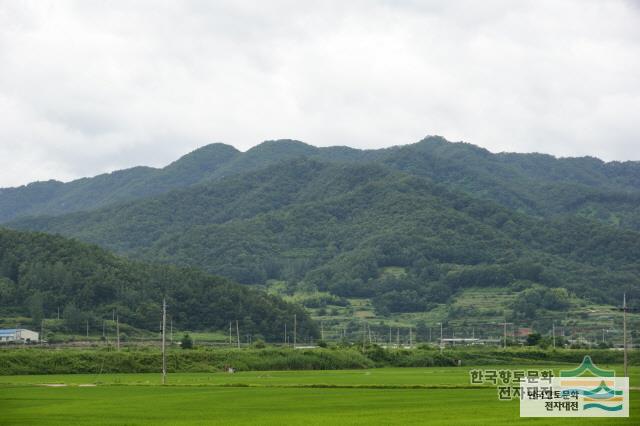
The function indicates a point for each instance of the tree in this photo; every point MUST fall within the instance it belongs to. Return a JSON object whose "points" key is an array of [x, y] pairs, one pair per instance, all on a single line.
{"points": [[534, 339], [72, 316], [7, 291], [186, 342], [36, 310]]}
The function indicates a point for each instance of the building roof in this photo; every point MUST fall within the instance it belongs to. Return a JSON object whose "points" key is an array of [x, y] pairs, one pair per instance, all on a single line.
{"points": [[8, 331]]}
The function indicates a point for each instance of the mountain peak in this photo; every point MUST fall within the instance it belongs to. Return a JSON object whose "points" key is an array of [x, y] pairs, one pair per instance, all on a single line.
{"points": [[206, 157], [282, 145]]}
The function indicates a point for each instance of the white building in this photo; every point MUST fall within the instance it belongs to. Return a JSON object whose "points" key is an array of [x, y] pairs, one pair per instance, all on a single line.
{"points": [[20, 335]]}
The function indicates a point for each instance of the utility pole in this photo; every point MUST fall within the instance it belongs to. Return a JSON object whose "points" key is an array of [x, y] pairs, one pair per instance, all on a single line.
{"points": [[87, 329], [505, 333], [603, 335], [410, 338], [441, 342], [164, 353], [229, 333], [624, 331], [321, 331], [41, 330], [238, 334], [553, 331], [389, 336], [58, 312], [118, 333], [285, 334], [364, 334], [295, 330], [398, 337], [429, 334]]}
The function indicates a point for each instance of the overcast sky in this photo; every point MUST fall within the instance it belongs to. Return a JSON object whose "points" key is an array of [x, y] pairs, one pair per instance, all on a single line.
{"points": [[93, 86]]}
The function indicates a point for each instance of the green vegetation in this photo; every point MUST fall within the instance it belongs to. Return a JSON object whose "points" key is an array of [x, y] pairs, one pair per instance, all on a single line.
{"points": [[36, 361], [340, 228], [401, 235], [534, 183], [381, 396], [54, 197], [40, 274], [99, 361], [389, 377]]}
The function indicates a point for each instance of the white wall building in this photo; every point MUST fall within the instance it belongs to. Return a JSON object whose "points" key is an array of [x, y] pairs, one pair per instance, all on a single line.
{"points": [[20, 335]]}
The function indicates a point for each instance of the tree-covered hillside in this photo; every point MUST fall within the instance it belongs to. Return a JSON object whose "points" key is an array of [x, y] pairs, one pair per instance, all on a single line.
{"points": [[339, 227], [55, 197], [537, 184], [40, 274]]}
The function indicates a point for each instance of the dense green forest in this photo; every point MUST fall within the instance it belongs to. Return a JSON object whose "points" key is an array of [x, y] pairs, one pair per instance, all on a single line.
{"points": [[55, 197], [40, 274], [537, 184], [338, 227]]}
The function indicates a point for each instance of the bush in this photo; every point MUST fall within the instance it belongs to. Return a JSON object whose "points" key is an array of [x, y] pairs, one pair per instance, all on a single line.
{"points": [[104, 360], [186, 342]]}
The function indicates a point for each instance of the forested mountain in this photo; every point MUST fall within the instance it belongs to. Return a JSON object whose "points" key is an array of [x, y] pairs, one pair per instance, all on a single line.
{"points": [[204, 164], [339, 227], [55, 197], [537, 184], [40, 274]]}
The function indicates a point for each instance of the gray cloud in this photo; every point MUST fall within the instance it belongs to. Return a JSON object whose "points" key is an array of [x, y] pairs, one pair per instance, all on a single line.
{"points": [[92, 86]]}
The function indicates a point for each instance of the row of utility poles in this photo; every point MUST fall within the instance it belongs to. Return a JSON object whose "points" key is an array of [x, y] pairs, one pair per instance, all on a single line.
{"points": [[286, 336], [367, 330], [368, 334]]}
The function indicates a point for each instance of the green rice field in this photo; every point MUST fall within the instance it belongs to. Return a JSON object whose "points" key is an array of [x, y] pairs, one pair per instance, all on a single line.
{"points": [[352, 397]]}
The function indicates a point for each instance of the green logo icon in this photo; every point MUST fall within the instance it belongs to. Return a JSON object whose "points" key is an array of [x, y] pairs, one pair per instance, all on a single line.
{"points": [[587, 365]]}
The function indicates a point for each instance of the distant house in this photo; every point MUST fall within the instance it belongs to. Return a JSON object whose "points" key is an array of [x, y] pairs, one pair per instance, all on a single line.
{"points": [[19, 335]]}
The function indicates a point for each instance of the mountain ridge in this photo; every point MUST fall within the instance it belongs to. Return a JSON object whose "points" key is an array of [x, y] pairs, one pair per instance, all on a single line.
{"points": [[538, 184]]}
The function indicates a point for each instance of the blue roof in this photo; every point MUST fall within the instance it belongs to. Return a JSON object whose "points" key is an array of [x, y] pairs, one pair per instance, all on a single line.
{"points": [[8, 330]]}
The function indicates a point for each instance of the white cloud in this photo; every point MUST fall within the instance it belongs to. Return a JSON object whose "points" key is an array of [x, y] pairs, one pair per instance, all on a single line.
{"points": [[91, 86]]}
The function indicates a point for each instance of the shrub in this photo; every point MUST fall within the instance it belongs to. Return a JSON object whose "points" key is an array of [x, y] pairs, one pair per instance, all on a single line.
{"points": [[186, 342]]}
